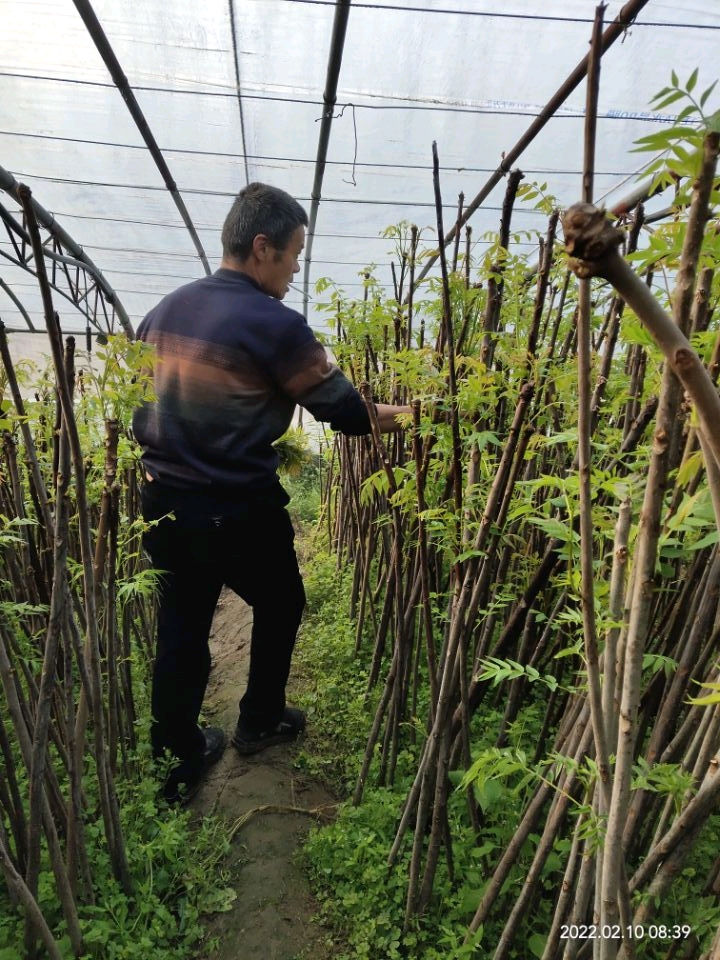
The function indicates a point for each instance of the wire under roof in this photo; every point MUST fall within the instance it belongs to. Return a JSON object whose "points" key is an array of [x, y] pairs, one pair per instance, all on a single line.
{"points": [[499, 15], [368, 164], [197, 191], [495, 108]]}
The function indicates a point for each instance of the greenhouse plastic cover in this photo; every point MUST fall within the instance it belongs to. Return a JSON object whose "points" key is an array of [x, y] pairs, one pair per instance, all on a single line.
{"points": [[232, 91]]}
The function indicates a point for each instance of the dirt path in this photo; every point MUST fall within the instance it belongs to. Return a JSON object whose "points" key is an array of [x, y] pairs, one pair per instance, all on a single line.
{"points": [[269, 807]]}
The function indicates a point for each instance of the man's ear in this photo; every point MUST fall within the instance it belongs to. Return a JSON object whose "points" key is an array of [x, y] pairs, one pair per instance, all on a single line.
{"points": [[262, 248]]}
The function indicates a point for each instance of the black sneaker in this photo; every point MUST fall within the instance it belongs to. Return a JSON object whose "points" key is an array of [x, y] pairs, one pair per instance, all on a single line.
{"points": [[215, 743], [182, 791], [289, 728]]}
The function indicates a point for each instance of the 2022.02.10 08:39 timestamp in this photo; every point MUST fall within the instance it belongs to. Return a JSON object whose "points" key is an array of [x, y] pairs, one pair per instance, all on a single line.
{"points": [[615, 931]]}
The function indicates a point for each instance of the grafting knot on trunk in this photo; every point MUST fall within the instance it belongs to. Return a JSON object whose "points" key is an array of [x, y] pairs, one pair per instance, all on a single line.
{"points": [[527, 390], [660, 440], [684, 359]]}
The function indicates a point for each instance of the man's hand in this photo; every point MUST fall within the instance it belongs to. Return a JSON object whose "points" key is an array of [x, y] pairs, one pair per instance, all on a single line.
{"points": [[387, 414]]}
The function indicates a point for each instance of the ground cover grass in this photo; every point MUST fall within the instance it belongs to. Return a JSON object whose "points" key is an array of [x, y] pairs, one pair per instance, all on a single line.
{"points": [[177, 873], [360, 898]]}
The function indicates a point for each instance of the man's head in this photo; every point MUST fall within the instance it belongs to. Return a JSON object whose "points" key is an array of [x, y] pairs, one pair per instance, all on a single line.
{"points": [[263, 236]]}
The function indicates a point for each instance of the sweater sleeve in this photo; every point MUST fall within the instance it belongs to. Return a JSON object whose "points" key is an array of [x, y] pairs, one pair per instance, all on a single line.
{"points": [[303, 371]]}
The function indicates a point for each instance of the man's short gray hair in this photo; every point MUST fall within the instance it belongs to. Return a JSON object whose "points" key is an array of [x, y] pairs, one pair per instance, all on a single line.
{"points": [[261, 209]]}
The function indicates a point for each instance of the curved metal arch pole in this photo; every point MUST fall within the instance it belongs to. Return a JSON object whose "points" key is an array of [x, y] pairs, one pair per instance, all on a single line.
{"points": [[236, 59], [623, 20], [9, 184], [337, 44], [89, 18], [75, 301], [23, 312]]}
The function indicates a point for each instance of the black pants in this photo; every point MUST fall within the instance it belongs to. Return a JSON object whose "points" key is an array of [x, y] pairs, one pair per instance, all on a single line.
{"points": [[216, 540]]}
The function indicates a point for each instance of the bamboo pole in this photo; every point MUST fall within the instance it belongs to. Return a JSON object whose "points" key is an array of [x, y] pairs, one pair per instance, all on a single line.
{"points": [[448, 336], [108, 799], [29, 904], [584, 360], [57, 612]]}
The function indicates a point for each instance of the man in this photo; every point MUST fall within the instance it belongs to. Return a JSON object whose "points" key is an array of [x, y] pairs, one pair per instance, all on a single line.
{"points": [[232, 363]]}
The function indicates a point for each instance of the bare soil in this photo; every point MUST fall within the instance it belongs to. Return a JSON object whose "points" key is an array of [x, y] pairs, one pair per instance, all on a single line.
{"points": [[269, 807]]}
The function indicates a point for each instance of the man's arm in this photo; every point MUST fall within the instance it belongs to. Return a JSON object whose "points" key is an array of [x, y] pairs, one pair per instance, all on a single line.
{"points": [[387, 414], [306, 374]]}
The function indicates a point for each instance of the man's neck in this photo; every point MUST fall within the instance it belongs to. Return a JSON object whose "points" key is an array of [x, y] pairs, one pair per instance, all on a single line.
{"points": [[239, 266], [246, 267]]}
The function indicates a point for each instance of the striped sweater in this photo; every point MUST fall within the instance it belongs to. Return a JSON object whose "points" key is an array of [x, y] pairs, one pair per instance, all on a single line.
{"points": [[231, 365]]}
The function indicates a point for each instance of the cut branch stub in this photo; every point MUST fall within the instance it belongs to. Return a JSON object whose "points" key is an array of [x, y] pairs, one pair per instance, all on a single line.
{"points": [[589, 237], [591, 240]]}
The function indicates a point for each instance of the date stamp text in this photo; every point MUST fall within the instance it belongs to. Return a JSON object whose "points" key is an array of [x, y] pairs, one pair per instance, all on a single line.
{"points": [[617, 931]]}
